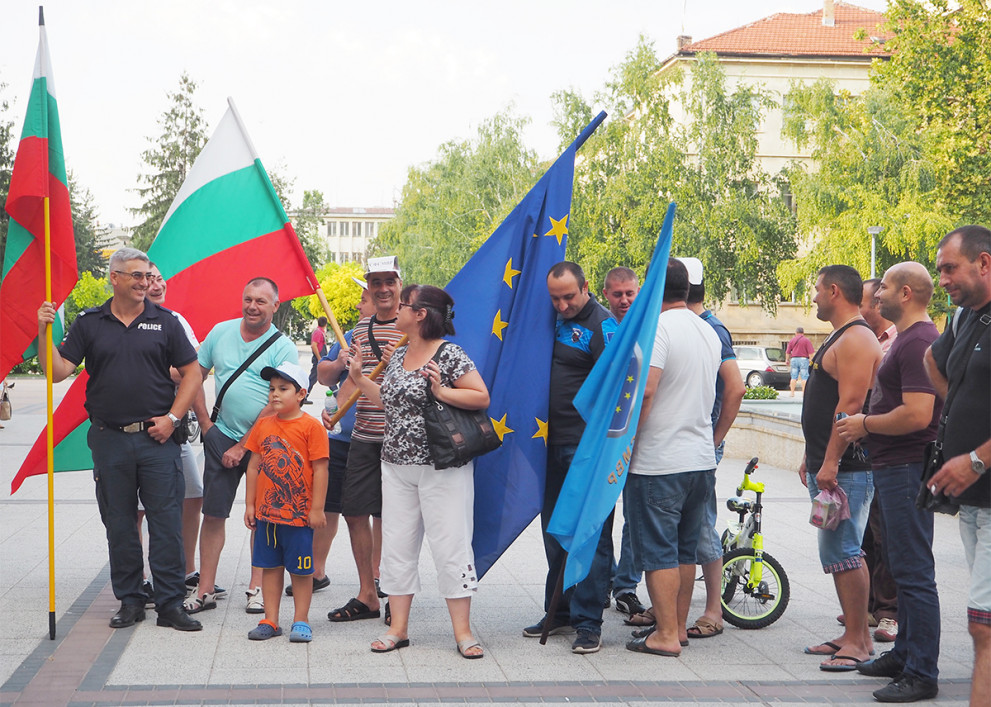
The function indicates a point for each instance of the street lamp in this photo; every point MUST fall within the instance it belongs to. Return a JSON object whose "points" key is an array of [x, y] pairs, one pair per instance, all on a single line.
{"points": [[874, 230]]}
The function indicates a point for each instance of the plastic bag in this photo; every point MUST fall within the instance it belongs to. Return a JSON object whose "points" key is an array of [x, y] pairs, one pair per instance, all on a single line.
{"points": [[829, 508]]}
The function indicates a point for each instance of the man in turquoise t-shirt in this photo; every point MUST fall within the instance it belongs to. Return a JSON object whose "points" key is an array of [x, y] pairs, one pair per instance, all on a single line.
{"points": [[226, 348]]}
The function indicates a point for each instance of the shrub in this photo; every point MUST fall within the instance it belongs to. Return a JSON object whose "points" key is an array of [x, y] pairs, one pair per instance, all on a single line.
{"points": [[761, 392]]}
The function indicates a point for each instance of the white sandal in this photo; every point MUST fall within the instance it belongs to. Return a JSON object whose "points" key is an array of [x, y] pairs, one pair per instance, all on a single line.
{"points": [[255, 603]]}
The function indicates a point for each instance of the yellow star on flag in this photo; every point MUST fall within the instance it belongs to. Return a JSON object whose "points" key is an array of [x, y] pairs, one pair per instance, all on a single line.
{"points": [[627, 396], [507, 276], [559, 228], [629, 379], [498, 325], [541, 430], [500, 427]]}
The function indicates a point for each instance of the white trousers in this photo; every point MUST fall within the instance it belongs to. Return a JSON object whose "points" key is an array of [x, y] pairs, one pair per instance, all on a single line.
{"points": [[419, 500]]}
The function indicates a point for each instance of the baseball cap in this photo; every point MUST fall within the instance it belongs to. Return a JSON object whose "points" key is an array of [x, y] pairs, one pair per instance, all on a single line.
{"points": [[694, 267], [288, 370], [387, 263]]}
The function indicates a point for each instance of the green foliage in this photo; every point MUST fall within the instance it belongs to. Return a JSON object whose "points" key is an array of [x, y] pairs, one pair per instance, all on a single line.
{"points": [[6, 163], [342, 293], [730, 214], [184, 133], [88, 255], [451, 205], [761, 392], [307, 220]]}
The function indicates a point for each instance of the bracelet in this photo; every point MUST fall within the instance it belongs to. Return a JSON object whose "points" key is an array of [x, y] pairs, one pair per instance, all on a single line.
{"points": [[864, 423]]}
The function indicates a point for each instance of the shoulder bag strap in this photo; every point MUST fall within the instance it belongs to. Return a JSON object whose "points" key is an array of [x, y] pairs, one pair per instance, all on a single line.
{"points": [[954, 382], [241, 369]]}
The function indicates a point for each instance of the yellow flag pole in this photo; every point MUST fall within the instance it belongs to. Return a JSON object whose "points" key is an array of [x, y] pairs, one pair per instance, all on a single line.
{"points": [[50, 429], [330, 316]]}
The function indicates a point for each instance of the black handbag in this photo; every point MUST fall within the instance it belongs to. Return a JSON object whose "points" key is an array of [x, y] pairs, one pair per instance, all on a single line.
{"points": [[456, 436]]}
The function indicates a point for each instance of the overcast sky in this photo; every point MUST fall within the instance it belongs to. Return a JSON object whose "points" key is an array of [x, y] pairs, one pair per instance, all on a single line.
{"points": [[342, 96]]}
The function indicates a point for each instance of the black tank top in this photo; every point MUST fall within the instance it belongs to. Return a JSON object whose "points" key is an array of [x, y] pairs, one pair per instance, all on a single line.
{"points": [[822, 395]]}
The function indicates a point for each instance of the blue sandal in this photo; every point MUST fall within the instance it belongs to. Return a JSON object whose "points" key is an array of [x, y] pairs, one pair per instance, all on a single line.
{"points": [[301, 633]]}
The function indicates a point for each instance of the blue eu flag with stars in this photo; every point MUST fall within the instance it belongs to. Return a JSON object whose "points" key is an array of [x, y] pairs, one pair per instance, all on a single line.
{"points": [[505, 322], [609, 401]]}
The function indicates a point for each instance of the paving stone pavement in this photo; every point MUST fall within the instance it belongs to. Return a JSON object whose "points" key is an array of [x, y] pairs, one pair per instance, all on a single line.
{"points": [[91, 664]]}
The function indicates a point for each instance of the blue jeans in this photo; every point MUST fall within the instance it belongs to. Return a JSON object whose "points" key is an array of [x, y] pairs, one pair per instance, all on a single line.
{"points": [[626, 574], [581, 605], [910, 559], [126, 467]]}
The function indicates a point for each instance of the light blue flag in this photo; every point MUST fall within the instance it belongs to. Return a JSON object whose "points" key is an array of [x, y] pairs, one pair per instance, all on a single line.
{"points": [[505, 322], [609, 401]]}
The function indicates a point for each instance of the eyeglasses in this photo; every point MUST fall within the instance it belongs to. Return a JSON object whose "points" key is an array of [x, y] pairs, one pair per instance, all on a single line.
{"points": [[136, 275], [155, 279], [406, 304]]}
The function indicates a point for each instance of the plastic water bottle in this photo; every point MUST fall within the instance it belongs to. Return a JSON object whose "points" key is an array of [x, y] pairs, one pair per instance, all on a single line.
{"points": [[330, 407]]}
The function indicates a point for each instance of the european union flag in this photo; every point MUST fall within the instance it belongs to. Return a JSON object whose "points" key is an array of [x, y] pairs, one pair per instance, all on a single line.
{"points": [[505, 322], [610, 401]]}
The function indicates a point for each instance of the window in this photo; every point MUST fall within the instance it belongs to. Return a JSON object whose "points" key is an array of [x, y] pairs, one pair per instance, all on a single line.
{"points": [[370, 228], [332, 228], [357, 228], [344, 228]]}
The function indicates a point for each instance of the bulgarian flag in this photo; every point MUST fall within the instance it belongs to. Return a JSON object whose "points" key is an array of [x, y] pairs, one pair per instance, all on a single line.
{"points": [[39, 175], [225, 227]]}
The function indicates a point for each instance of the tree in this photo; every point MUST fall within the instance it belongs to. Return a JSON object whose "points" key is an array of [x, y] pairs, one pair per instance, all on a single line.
{"points": [[184, 133], [342, 292], [451, 205], [307, 220], [84, 228], [6, 163], [730, 213]]}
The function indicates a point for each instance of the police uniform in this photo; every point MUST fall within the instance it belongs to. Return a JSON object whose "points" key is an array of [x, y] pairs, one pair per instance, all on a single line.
{"points": [[129, 383]]}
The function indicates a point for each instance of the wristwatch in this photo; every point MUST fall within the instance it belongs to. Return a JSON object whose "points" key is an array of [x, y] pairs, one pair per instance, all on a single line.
{"points": [[976, 465], [175, 420]]}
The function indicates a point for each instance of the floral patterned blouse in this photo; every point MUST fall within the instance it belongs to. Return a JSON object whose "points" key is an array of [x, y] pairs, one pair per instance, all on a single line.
{"points": [[404, 393]]}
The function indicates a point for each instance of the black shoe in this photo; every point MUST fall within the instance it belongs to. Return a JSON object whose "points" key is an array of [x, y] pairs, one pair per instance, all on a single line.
{"points": [[886, 665], [378, 590], [537, 630], [127, 615], [307, 401], [629, 604], [149, 595], [178, 619], [907, 688], [586, 642], [318, 584]]}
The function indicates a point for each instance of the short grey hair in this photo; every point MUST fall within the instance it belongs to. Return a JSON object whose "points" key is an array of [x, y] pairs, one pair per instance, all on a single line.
{"points": [[123, 255]]}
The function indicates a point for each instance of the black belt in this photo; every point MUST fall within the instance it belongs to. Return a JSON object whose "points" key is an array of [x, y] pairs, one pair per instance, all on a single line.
{"points": [[131, 428]]}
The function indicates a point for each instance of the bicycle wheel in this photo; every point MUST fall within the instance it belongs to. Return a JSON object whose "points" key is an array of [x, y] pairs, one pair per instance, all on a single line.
{"points": [[758, 607]]}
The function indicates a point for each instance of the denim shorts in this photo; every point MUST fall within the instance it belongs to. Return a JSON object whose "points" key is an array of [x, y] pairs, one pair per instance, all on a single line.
{"points": [[289, 546], [975, 531], [839, 550], [709, 548], [799, 368], [665, 516]]}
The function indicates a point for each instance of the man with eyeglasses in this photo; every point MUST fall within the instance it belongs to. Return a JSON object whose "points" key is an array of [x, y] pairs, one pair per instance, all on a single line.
{"points": [[129, 345]]}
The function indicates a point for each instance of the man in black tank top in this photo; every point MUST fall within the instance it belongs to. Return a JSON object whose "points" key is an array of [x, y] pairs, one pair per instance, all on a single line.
{"points": [[841, 375]]}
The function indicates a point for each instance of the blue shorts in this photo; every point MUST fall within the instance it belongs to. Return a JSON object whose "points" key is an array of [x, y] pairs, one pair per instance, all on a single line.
{"points": [[709, 547], [799, 368], [839, 550], [665, 516], [289, 546]]}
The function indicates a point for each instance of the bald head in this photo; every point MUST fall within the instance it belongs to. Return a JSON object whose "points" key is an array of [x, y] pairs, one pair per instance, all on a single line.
{"points": [[904, 293]]}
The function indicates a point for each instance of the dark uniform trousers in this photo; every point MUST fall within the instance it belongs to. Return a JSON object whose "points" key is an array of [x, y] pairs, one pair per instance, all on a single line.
{"points": [[126, 466]]}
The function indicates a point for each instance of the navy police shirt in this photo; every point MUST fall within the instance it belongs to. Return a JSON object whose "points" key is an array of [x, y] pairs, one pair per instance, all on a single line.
{"points": [[128, 366]]}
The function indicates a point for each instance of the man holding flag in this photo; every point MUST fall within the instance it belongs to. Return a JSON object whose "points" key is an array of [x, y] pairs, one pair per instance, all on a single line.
{"points": [[583, 329], [129, 345]]}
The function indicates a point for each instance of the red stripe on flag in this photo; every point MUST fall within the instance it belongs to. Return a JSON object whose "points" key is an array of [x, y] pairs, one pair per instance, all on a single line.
{"points": [[209, 291], [69, 415], [28, 180]]}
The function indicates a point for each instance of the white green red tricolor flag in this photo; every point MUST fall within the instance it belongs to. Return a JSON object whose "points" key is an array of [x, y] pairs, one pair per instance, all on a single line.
{"points": [[225, 227], [39, 173]]}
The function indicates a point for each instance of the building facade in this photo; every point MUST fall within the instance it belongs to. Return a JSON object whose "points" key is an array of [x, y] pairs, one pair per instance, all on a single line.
{"points": [[349, 231]]}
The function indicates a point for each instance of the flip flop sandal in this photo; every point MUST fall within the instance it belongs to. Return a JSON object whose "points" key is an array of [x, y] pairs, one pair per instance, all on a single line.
{"points": [[390, 642], [704, 628], [354, 610], [264, 631], [467, 644], [826, 667], [645, 618], [647, 630], [639, 645], [813, 650], [301, 633]]}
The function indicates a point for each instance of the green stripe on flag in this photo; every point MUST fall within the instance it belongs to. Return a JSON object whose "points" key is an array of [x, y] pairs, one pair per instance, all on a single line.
{"points": [[35, 126], [226, 212], [18, 240], [72, 453]]}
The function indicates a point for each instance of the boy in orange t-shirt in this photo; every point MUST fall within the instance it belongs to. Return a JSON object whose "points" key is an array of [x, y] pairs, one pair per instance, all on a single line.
{"points": [[284, 498]]}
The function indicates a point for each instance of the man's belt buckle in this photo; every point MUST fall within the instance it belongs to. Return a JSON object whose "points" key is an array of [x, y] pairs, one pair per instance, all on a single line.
{"points": [[133, 427]]}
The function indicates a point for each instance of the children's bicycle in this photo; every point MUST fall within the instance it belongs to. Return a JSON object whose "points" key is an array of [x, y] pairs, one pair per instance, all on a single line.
{"points": [[755, 588]]}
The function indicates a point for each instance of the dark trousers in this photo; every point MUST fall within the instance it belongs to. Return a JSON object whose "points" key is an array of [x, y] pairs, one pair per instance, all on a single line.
{"points": [[313, 375], [882, 601], [581, 605], [126, 467], [910, 558]]}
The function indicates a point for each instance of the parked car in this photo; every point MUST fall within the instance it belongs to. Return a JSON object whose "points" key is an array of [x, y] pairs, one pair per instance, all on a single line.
{"points": [[762, 365]]}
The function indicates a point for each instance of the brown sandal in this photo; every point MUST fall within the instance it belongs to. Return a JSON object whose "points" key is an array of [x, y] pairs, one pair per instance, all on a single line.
{"points": [[704, 628], [644, 618]]}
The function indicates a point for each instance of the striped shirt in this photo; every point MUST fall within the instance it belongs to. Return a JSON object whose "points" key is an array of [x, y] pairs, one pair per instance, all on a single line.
{"points": [[369, 424]]}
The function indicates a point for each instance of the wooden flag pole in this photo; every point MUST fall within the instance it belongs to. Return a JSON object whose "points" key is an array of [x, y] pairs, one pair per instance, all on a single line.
{"points": [[330, 316], [353, 398]]}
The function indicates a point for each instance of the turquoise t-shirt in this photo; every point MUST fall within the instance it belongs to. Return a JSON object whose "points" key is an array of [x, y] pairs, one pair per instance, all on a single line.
{"points": [[224, 351]]}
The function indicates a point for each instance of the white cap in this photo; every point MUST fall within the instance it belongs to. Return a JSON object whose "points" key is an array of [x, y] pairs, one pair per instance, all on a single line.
{"points": [[289, 371], [387, 263], [360, 283], [694, 267]]}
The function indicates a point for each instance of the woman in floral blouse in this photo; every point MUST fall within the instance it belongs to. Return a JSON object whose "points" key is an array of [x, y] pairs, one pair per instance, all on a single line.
{"points": [[417, 499]]}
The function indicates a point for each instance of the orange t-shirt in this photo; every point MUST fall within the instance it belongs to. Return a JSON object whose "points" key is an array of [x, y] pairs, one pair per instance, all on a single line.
{"points": [[284, 491]]}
